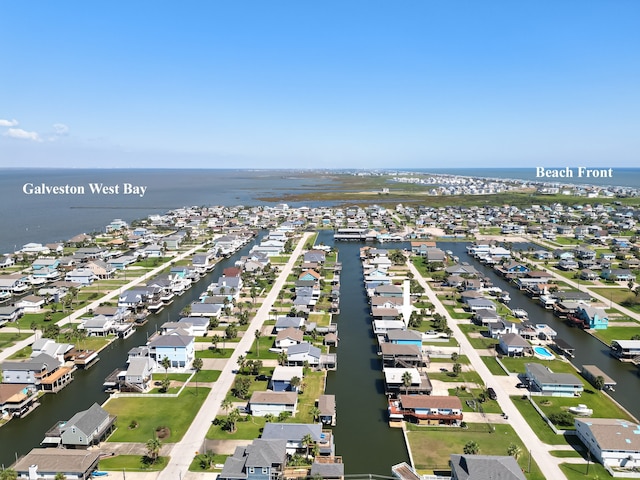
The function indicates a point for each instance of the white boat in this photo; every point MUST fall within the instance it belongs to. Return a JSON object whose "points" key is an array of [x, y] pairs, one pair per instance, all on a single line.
{"points": [[581, 409], [520, 313], [504, 297]]}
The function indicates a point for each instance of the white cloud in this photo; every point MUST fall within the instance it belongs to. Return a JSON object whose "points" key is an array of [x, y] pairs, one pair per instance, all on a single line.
{"points": [[22, 134], [8, 123], [60, 128]]}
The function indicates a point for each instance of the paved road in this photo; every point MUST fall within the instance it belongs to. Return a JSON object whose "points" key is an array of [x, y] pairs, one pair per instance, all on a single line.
{"points": [[540, 451], [184, 451]]}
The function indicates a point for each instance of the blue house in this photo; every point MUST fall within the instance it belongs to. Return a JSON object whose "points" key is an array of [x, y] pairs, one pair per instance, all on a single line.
{"points": [[404, 337], [281, 378], [595, 317], [263, 459]]}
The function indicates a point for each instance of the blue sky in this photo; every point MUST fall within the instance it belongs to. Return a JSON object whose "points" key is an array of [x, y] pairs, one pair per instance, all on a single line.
{"points": [[344, 84]]}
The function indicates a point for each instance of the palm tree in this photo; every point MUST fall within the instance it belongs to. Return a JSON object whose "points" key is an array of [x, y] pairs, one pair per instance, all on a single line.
{"points": [[226, 404], [257, 335], [60, 476], [295, 383], [315, 413], [282, 357], [407, 380], [215, 340], [166, 364], [471, 448], [307, 441], [232, 419], [197, 366], [242, 361], [514, 450], [153, 448]]}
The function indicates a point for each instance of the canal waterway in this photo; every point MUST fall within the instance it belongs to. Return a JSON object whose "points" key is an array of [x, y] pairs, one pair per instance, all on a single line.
{"points": [[362, 434], [20, 435], [588, 350]]}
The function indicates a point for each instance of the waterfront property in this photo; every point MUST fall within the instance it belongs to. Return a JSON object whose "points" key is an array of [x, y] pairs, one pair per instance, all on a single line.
{"points": [[261, 460], [546, 382], [84, 429], [613, 442], [46, 463], [592, 372], [426, 409], [273, 403], [42, 372], [464, 467], [626, 350], [394, 381], [294, 433]]}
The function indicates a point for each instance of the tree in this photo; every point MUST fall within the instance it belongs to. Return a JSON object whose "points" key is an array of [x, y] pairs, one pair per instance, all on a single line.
{"points": [[242, 361], [315, 413], [306, 442], [599, 382], [471, 448], [60, 476], [454, 357], [186, 311], [258, 334], [407, 380], [165, 384], [206, 460], [282, 358], [8, 474], [153, 449], [166, 364], [295, 383], [214, 341], [457, 368], [514, 451], [232, 419], [231, 331], [226, 405], [241, 387], [197, 366]]}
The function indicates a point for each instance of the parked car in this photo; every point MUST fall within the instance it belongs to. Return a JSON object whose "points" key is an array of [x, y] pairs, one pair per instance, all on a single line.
{"points": [[522, 385], [492, 393]]}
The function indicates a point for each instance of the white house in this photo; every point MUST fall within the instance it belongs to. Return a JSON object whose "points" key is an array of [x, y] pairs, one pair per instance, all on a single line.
{"points": [[264, 403], [611, 441]]}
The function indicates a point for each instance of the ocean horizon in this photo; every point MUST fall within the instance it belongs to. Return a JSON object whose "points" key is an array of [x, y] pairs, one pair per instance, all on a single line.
{"points": [[50, 217]]}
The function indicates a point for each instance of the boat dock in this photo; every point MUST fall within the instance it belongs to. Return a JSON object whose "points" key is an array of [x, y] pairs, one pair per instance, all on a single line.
{"points": [[591, 372], [564, 347]]}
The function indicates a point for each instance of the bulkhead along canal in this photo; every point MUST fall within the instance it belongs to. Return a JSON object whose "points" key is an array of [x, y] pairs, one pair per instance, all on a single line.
{"points": [[20, 435], [362, 434]]}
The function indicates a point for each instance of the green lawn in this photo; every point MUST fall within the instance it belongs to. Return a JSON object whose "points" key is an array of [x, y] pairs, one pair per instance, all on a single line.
{"points": [[195, 464], [616, 333], [493, 366], [179, 377], [176, 413], [488, 406], [431, 447], [245, 430], [617, 295], [578, 471], [535, 421], [476, 342], [266, 342], [9, 339], [132, 463], [516, 364], [601, 404], [469, 377], [210, 353]]}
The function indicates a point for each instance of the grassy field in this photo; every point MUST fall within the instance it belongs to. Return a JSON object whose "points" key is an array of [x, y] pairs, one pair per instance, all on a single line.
{"points": [[535, 421], [616, 333], [132, 463], [601, 404], [580, 471], [431, 447], [9, 339], [195, 464], [468, 377], [493, 365], [246, 429], [218, 353], [174, 413]]}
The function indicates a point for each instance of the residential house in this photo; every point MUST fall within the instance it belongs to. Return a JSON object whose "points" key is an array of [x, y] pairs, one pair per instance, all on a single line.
{"points": [[178, 348], [388, 291], [302, 353], [138, 374], [10, 314], [293, 433], [394, 383], [398, 355], [81, 276], [85, 428], [512, 345], [404, 337], [51, 348], [46, 463], [43, 372], [274, 403], [282, 323], [426, 409], [289, 336], [15, 283], [31, 303], [593, 317], [612, 442], [546, 382], [97, 326], [262, 459], [101, 269], [485, 467], [281, 378], [625, 349], [617, 274]]}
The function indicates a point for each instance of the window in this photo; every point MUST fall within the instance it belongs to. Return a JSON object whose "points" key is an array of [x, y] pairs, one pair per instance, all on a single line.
{"points": [[251, 470], [265, 470]]}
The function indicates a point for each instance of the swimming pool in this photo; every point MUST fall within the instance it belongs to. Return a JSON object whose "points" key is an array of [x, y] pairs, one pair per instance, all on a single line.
{"points": [[542, 352]]}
